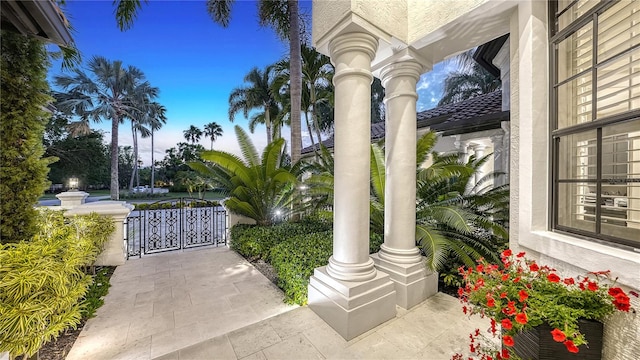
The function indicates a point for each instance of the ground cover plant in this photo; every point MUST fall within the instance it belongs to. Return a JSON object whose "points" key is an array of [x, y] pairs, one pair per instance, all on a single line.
{"points": [[42, 283]]}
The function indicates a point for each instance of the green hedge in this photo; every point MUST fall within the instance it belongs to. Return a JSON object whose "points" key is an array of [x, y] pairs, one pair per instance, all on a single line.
{"points": [[252, 241], [42, 284], [295, 259]]}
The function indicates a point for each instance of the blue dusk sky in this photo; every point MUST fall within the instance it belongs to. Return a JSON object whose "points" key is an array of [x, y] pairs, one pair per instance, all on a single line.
{"points": [[195, 63]]}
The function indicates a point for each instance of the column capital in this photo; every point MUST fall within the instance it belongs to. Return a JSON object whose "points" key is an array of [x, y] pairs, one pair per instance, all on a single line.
{"points": [[402, 62], [353, 41]]}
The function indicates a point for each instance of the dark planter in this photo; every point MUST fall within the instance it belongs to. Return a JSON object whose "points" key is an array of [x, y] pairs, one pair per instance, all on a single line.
{"points": [[538, 344]]}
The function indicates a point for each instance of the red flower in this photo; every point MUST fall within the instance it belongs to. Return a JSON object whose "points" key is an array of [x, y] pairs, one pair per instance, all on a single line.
{"points": [[571, 346], [516, 279], [493, 327], [520, 254], [553, 278], [508, 340], [569, 281], [506, 324], [592, 286], [505, 354], [558, 335], [615, 291], [622, 307], [491, 302], [503, 295], [534, 267], [472, 348], [521, 318], [523, 295], [464, 309], [505, 277], [582, 286], [507, 253], [480, 268]]}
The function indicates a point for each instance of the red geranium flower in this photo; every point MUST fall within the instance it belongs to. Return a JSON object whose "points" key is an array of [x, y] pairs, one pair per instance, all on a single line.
{"points": [[516, 279], [505, 277], [480, 268], [491, 302], [592, 286], [508, 340], [507, 253], [523, 295], [571, 346], [505, 354], [506, 324], [558, 335], [569, 281], [521, 318], [615, 291], [534, 267], [520, 254], [553, 278], [503, 295]]}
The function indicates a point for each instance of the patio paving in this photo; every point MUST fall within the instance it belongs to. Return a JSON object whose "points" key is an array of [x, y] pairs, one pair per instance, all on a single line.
{"points": [[167, 302], [213, 304], [433, 330]]}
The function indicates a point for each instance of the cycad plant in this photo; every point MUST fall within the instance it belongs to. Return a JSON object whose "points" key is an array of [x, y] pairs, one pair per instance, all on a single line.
{"points": [[258, 187], [454, 218]]}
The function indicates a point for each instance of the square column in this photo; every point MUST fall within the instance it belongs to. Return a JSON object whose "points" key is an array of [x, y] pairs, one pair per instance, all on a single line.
{"points": [[349, 294], [399, 257]]}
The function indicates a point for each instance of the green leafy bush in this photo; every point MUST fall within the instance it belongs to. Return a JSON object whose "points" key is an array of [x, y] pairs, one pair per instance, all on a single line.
{"points": [[254, 241], [295, 259], [42, 283], [95, 294]]}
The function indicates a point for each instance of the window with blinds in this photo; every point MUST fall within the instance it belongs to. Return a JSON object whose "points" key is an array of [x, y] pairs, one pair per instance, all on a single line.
{"points": [[595, 111]]}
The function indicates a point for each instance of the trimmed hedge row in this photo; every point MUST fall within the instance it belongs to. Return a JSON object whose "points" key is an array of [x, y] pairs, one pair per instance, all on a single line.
{"points": [[252, 241], [42, 284]]}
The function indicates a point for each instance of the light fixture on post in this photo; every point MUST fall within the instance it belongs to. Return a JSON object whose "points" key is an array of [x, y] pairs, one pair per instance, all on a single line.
{"points": [[73, 183]]}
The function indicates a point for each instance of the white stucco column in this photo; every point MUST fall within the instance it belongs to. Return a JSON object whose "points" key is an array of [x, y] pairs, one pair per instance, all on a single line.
{"points": [[349, 293], [498, 159], [461, 147], [502, 61], [399, 257]]}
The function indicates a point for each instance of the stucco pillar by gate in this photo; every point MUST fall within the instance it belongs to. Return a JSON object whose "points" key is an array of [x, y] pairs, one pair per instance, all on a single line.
{"points": [[349, 294], [399, 257]]}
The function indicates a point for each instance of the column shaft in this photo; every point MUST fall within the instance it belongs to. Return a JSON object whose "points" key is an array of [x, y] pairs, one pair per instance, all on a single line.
{"points": [[399, 80], [352, 54]]}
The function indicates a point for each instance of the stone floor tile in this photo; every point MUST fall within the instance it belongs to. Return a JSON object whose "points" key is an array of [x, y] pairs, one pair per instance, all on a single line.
{"points": [[255, 356], [97, 347], [253, 338], [326, 340], [154, 325], [404, 334], [295, 322], [170, 356], [373, 346], [139, 349], [168, 304], [218, 348], [293, 348], [174, 340]]}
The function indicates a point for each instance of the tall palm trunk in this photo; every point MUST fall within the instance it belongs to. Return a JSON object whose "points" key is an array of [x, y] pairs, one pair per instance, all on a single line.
{"points": [[115, 187], [296, 80], [267, 123], [314, 116], [134, 173], [153, 164], [313, 143]]}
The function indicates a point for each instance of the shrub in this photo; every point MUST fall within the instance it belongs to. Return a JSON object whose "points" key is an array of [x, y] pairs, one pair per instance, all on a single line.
{"points": [[41, 281], [295, 259], [252, 241], [95, 293], [23, 171]]}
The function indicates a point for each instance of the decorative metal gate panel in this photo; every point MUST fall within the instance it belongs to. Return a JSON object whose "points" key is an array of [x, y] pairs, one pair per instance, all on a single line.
{"points": [[174, 225]]}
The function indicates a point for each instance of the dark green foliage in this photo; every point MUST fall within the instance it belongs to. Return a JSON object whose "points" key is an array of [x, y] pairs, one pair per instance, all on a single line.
{"points": [[295, 259], [97, 290], [253, 241], [41, 281], [23, 171]]}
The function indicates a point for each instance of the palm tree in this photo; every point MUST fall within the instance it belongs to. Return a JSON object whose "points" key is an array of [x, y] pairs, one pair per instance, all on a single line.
{"points": [[470, 80], [192, 134], [259, 187], [153, 115], [155, 120], [213, 131], [283, 16], [256, 94], [112, 94]]}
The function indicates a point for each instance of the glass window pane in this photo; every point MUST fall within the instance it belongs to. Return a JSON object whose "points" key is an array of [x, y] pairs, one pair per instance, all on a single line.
{"points": [[577, 206], [575, 53], [621, 180], [574, 12], [574, 102], [577, 156], [618, 29], [619, 85]]}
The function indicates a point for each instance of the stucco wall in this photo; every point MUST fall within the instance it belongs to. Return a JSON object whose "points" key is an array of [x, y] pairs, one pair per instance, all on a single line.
{"points": [[571, 256], [427, 16]]}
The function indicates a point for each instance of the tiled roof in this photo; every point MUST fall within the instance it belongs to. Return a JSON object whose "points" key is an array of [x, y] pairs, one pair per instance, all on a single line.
{"points": [[482, 112]]}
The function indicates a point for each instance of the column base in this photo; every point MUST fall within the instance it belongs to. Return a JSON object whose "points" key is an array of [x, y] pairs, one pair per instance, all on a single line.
{"points": [[414, 283], [352, 308]]}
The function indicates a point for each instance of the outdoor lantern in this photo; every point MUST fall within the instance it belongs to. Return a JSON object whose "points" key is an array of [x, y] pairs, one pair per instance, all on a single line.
{"points": [[73, 183]]}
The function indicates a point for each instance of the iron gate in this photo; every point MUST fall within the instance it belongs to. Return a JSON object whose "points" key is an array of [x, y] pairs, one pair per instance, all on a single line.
{"points": [[170, 225]]}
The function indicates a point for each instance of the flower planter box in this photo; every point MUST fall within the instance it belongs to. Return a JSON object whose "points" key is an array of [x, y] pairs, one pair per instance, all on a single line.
{"points": [[538, 344]]}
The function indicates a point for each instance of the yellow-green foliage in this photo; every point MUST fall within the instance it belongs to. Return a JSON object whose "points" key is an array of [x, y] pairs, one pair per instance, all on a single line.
{"points": [[41, 281]]}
